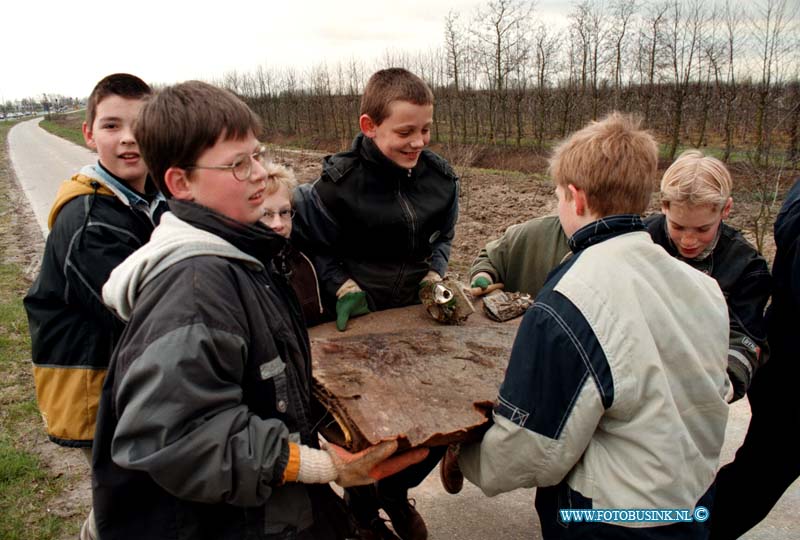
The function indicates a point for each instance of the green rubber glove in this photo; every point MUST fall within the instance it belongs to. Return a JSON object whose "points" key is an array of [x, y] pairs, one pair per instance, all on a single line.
{"points": [[481, 282], [350, 305]]}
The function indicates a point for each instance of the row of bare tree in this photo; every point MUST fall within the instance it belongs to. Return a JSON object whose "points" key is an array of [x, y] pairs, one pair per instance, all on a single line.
{"points": [[724, 73]]}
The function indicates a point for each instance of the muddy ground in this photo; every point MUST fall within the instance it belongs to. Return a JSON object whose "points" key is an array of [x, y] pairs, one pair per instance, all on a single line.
{"points": [[490, 202]]}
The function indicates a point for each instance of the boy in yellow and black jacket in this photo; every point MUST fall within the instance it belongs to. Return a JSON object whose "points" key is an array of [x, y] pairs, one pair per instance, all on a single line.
{"points": [[100, 216]]}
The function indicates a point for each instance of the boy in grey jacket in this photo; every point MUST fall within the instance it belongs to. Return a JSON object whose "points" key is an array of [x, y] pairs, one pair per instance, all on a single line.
{"points": [[204, 429]]}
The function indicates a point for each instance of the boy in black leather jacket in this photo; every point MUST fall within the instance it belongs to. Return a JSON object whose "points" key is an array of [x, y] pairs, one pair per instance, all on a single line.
{"points": [[379, 224], [380, 220], [695, 199]]}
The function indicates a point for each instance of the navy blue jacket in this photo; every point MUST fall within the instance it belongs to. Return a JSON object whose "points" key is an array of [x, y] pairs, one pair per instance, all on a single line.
{"points": [[784, 311]]}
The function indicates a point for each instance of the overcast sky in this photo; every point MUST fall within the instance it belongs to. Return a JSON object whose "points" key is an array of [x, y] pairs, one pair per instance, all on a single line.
{"points": [[66, 47]]}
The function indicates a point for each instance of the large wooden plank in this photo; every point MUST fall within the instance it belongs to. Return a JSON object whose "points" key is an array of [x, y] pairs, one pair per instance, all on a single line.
{"points": [[398, 374]]}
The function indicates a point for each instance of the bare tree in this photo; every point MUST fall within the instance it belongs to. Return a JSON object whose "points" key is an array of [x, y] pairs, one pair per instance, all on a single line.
{"points": [[502, 44], [793, 150], [682, 41], [546, 46], [707, 70], [622, 12], [590, 29], [770, 22], [580, 39], [651, 36], [456, 49], [570, 87]]}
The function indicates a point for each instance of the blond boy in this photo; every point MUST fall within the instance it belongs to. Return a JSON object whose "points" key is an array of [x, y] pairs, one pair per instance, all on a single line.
{"points": [[614, 393], [695, 199], [278, 214]]}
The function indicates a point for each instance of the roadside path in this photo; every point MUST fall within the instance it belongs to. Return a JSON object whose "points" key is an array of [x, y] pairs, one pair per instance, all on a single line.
{"points": [[41, 162]]}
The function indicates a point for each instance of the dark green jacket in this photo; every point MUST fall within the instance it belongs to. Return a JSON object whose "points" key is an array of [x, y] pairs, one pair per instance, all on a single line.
{"points": [[525, 254]]}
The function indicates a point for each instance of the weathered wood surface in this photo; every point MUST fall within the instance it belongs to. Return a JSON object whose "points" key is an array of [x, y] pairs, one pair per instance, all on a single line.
{"points": [[399, 374]]}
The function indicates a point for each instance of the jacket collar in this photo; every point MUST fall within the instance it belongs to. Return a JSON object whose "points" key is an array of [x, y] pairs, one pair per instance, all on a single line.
{"points": [[604, 229], [370, 152], [257, 240], [123, 192]]}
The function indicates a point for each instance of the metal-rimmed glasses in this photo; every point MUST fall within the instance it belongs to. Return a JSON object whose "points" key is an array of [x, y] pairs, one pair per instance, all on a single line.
{"points": [[285, 215], [242, 166]]}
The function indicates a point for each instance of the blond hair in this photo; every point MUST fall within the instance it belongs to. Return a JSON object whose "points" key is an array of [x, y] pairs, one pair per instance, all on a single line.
{"points": [[696, 179], [277, 176], [613, 161]]}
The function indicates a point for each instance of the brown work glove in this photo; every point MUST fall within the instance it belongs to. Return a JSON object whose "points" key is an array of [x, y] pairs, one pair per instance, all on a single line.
{"points": [[372, 464], [335, 464]]}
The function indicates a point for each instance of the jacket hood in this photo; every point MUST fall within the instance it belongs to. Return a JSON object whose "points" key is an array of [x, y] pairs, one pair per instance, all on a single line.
{"points": [[172, 241], [85, 182], [94, 179]]}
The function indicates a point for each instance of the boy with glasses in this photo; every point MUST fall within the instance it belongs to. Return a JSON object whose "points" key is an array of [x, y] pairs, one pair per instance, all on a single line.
{"points": [[204, 429], [100, 216], [278, 214]]}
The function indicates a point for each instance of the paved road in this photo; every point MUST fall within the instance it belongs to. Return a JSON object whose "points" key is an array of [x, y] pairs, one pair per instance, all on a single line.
{"points": [[471, 516], [42, 161]]}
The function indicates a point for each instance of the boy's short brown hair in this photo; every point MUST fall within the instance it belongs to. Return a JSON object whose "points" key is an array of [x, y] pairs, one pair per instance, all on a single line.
{"points": [[696, 180], [182, 121], [613, 161], [392, 84], [119, 84]]}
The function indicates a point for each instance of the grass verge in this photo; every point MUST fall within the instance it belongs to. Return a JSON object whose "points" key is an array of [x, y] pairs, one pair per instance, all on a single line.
{"points": [[66, 126], [26, 487]]}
